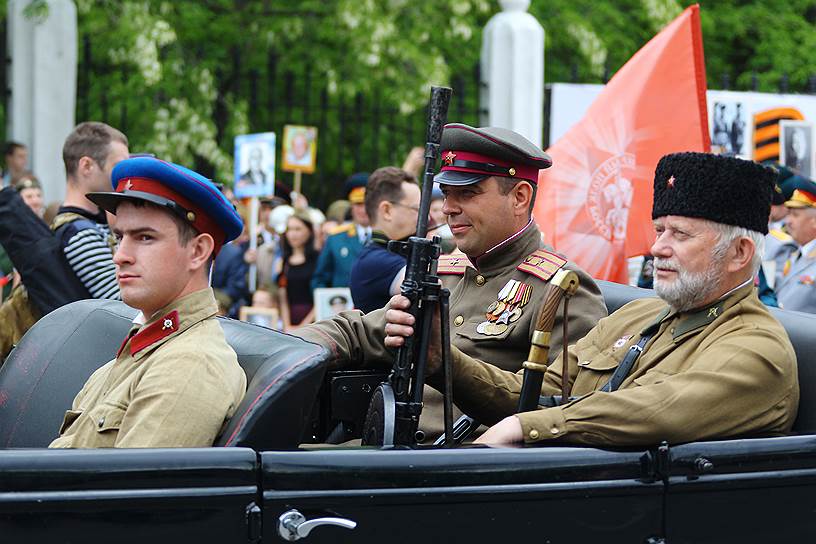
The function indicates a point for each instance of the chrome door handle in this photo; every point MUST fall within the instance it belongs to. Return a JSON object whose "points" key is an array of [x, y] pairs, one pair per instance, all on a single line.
{"points": [[292, 525]]}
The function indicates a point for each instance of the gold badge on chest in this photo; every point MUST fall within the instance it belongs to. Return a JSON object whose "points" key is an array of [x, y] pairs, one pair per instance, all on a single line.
{"points": [[506, 309]]}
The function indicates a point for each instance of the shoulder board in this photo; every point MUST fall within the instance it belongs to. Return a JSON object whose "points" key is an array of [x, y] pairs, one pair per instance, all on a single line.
{"points": [[542, 264], [341, 229], [452, 265], [780, 235], [64, 219], [164, 326]]}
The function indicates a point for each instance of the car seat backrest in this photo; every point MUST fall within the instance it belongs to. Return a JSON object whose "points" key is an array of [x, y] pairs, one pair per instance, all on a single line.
{"points": [[43, 374]]}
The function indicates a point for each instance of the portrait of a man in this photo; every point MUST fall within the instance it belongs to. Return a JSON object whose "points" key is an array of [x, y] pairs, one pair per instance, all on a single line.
{"points": [[299, 148], [796, 146], [255, 165]]}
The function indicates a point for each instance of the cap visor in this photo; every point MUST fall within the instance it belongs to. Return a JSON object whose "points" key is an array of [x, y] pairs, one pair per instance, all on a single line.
{"points": [[109, 201], [796, 204], [452, 177]]}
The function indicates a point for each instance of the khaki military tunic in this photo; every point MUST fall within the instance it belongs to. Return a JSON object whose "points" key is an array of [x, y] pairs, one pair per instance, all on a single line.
{"points": [[724, 371], [17, 315], [356, 340], [174, 383]]}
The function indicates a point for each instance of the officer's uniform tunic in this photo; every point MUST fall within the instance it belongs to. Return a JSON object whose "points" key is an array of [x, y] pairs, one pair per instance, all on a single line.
{"points": [[723, 371], [337, 257], [357, 340], [796, 288], [778, 248], [175, 382]]}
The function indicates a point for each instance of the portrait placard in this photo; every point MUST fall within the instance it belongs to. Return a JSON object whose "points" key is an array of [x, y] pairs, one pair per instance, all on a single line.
{"points": [[255, 165], [299, 152], [796, 146], [332, 300]]}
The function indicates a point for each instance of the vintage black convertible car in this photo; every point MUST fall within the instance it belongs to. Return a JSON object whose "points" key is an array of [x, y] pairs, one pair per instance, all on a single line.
{"points": [[263, 487]]}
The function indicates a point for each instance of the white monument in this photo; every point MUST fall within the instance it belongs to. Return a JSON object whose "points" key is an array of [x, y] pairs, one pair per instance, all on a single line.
{"points": [[512, 69], [42, 77]]}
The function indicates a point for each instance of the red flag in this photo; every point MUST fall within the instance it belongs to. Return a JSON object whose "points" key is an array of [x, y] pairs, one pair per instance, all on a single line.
{"points": [[595, 203]]}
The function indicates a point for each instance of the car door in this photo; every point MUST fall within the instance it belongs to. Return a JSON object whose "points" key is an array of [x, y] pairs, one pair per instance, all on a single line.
{"points": [[466, 495], [754, 490], [123, 496]]}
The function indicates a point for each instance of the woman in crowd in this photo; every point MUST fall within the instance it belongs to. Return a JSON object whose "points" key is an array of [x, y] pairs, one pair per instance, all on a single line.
{"points": [[298, 265]]}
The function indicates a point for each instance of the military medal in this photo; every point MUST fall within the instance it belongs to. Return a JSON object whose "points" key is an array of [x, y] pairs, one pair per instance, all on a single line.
{"points": [[506, 309], [514, 315], [489, 328]]}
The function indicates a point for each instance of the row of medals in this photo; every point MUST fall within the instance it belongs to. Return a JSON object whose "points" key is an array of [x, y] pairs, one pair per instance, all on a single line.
{"points": [[506, 309]]}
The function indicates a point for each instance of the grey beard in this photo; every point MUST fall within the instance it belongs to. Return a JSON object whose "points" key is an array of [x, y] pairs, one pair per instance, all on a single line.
{"points": [[690, 289]]}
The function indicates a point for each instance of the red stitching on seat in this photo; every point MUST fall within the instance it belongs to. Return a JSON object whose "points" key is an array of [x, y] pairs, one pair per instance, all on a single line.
{"points": [[43, 370], [254, 402]]}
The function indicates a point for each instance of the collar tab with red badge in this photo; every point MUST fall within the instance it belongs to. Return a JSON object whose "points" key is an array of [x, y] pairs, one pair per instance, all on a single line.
{"points": [[159, 329]]}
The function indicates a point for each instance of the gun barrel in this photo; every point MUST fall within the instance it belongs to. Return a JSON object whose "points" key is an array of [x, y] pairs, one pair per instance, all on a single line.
{"points": [[437, 115]]}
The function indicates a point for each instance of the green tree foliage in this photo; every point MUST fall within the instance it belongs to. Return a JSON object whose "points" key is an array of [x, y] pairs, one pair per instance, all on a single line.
{"points": [[183, 77]]}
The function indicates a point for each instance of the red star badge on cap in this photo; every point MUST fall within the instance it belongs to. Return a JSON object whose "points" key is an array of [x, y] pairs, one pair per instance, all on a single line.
{"points": [[670, 182], [448, 159]]}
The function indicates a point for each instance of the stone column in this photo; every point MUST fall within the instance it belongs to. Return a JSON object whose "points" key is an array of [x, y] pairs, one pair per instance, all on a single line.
{"points": [[42, 78], [512, 68]]}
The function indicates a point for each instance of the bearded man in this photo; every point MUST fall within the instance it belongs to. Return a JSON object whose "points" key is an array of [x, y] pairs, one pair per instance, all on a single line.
{"points": [[704, 361]]}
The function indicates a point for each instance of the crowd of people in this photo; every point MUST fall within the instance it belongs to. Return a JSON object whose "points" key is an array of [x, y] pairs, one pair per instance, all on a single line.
{"points": [[706, 264], [301, 249]]}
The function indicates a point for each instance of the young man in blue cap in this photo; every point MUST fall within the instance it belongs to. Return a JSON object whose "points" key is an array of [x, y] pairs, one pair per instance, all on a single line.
{"points": [[175, 381]]}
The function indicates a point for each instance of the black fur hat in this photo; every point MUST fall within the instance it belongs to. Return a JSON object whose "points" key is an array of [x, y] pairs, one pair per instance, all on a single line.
{"points": [[721, 189]]}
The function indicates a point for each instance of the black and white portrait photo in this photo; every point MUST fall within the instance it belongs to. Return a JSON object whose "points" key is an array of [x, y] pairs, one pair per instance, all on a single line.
{"points": [[728, 129], [255, 165], [796, 146]]}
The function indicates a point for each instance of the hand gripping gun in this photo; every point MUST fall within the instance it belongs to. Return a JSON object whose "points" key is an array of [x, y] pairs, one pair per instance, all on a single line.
{"points": [[393, 414]]}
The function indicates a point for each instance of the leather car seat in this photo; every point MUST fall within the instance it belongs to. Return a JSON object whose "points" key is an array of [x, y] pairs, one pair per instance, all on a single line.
{"points": [[43, 374]]}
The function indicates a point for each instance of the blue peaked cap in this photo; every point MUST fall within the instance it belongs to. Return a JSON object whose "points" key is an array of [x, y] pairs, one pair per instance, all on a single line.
{"points": [[194, 187]]}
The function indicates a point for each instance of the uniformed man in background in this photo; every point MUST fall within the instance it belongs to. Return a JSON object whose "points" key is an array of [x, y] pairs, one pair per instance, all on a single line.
{"points": [[704, 361], [175, 382], [392, 201], [342, 247], [489, 178], [796, 285]]}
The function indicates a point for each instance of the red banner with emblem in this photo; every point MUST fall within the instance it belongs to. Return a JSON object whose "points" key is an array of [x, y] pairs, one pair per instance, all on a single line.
{"points": [[595, 203]]}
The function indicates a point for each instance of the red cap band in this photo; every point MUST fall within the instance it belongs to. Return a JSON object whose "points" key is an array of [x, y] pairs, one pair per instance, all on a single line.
{"points": [[201, 222], [450, 158]]}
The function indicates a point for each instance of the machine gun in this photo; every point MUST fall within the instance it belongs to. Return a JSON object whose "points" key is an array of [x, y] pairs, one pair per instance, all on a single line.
{"points": [[395, 407]]}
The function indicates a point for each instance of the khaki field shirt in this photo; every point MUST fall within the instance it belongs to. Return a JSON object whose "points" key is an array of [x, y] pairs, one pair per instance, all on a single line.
{"points": [[726, 370], [174, 383]]}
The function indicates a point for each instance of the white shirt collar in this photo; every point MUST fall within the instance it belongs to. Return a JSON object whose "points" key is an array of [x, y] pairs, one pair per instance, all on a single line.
{"points": [[808, 248]]}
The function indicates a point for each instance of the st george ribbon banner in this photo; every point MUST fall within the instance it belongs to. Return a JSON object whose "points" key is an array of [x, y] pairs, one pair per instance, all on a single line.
{"points": [[595, 203]]}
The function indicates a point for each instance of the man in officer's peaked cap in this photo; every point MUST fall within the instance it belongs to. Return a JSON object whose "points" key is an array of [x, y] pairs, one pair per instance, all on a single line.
{"points": [[498, 276]]}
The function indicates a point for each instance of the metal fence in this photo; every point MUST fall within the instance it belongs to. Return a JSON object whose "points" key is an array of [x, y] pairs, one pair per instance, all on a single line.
{"points": [[360, 133], [357, 133]]}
